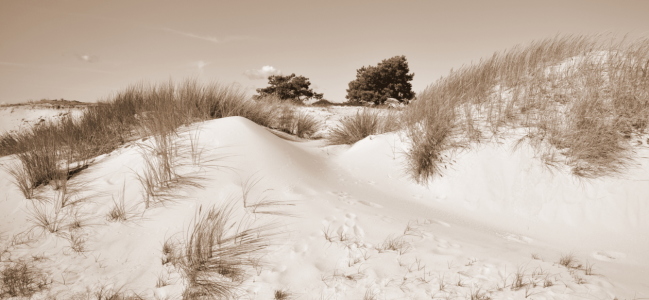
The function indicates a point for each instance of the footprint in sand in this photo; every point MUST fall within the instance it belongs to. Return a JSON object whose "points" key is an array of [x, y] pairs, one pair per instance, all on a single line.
{"points": [[358, 231], [438, 222], [386, 219], [279, 268], [300, 247], [516, 238], [345, 198], [443, 223], [608, 255], [328, 220], [371, 204], [444, 249], [342, 230]]}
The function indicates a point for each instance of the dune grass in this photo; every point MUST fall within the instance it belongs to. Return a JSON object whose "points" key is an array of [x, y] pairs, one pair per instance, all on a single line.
{"points": [[304, 125], [217, 253], [583, 96], [21, 279], [54, 150], [364, 123]]}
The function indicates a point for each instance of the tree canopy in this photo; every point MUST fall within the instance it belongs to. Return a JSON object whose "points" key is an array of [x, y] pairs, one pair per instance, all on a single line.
{"points": [[288, 87], [375, 84]]}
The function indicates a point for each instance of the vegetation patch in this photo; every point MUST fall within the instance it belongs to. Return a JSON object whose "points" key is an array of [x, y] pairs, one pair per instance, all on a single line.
{"points": [[218, 253], [364, 123], [21, 279], [579, 97]]}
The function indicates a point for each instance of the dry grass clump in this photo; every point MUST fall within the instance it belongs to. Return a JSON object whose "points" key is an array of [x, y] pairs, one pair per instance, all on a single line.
{"points": [[105, 292], [282, 295], [217, 254], [430, 136], [118, 212], [569, 261], [583, 96], [48, 217], [304, 125], [364, 123], [283, 115], [21, 279], [397, 244]]}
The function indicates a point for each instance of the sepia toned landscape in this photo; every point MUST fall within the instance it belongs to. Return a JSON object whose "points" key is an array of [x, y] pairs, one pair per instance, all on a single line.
{"points": [[513, 170]]}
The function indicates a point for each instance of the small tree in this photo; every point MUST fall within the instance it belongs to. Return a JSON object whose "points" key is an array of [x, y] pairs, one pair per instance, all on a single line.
{"points": [[389, 79], [288, 87]]}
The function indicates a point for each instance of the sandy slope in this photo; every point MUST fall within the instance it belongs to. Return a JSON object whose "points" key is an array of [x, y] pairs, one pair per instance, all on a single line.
{"points": [[495, 212], [25, 116]]}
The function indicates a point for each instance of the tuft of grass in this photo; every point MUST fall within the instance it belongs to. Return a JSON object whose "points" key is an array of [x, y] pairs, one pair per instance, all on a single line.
{"points": [[21, 179], [168, 251], [397, 244], [370, 294], [304, 125], [21, 279], [364, 123], [478, 295], [162, 156], [217, 254], [162, 281], [106, 293], [77, 242], [118, 213], [588, 269], [519, 277], [282, 295], [47, 216], [568, 260]]}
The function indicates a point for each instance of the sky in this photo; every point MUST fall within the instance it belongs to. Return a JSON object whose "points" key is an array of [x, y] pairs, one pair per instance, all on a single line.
{"points": [[88, 50]]}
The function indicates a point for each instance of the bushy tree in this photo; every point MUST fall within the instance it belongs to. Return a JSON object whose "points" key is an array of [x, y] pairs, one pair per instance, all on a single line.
{"points": [[288, 87], [375, 84]]}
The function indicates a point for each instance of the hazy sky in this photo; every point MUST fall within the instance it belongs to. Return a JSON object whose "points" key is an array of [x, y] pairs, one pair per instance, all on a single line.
{"points": [[85, 50]]}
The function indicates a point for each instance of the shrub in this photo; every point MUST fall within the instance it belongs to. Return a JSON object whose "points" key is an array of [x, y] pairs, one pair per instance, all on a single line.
{"points": [[322, 102], [375, 84], [288, 87]]}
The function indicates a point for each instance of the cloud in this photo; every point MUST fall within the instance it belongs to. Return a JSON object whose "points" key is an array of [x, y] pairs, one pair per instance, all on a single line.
{"points": [[207, 38], [52, 67], [87, 58], [262, 73], [5, 63], [201, 64], [193, 35]]}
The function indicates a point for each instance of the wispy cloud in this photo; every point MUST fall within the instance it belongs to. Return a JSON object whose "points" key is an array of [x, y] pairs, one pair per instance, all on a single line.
{"points": [[52, 67], [201, 64], [207, 38], [87, 58], [194, 36], [5, 63], [262, 73]]}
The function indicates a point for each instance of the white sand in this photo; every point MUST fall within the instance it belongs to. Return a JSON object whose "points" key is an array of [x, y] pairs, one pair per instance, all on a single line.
{"points": [[471, 230], [15, 118]]}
